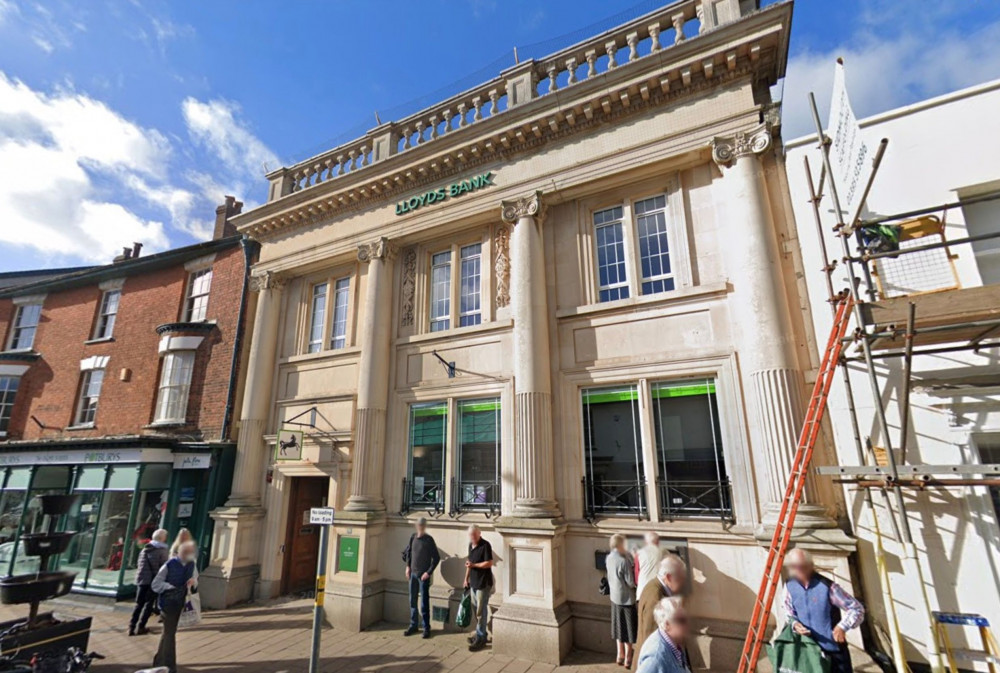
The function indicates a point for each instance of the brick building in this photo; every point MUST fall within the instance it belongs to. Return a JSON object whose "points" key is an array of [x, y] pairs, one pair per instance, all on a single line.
{"points": [[118, 382]]}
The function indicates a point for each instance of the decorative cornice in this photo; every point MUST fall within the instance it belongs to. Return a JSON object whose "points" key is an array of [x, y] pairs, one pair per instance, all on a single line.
{"points": [[19, 356], [525, 206], [380, 248], [169, 327], [754, 142], [266, 280]]}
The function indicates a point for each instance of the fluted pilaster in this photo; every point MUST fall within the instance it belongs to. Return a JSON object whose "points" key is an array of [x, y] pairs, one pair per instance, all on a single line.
{"points": [[533, 419], [366, 469]]}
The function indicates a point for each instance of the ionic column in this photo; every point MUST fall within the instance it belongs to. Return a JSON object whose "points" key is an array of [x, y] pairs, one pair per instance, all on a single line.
{"points": [[373, 379], [251, 455], [761, 317], [534, 491]]}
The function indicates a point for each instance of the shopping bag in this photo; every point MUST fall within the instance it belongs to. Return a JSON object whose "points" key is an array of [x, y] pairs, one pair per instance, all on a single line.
{"points": [[191, 614], [464, 615], [792, 653]]}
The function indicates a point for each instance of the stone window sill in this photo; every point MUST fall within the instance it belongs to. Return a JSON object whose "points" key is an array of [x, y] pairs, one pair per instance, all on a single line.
{"points": [[456, 332], [673, 297], [351, 351], [102, 340], [85, 426], [167, 424]]}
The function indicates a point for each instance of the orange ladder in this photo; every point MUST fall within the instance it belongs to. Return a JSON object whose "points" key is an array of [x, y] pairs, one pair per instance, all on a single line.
{"points": [[796, 483]]}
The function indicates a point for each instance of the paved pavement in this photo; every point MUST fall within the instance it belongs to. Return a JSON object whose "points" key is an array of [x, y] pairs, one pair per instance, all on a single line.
{"points": [[274, 637]]}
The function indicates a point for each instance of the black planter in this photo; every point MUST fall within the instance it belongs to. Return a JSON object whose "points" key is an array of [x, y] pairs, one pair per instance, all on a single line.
{"points": [[46, 544], [55, 505], [51, 636], [36, 587]]}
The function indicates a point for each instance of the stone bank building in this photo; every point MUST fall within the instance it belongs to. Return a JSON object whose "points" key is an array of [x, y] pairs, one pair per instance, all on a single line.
{"points": [[558, 305]]}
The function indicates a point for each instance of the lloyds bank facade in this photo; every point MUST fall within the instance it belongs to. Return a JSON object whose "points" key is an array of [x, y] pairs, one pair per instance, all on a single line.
{"points": [[561, 304]]}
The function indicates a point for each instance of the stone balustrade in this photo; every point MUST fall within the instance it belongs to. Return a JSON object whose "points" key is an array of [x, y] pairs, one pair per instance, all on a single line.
{"points": [[645, 36]]}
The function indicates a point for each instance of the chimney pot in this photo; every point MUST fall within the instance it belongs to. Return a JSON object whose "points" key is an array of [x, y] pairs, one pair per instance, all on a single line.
{"points": [[136, 247]]}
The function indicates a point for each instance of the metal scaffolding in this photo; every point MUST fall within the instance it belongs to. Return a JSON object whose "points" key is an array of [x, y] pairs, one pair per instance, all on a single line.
{"points": [[885, 472]]}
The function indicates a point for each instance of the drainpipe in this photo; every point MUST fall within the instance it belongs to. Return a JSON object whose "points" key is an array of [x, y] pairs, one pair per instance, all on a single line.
{"points": [[249, 251]]}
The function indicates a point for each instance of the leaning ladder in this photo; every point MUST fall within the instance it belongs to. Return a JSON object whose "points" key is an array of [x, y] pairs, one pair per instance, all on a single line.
{"points": [[793, 491]]}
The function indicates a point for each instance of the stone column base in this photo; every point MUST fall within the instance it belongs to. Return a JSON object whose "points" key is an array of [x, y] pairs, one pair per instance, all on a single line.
{"points": [[354, 597], [235, 565], [539, 634]]}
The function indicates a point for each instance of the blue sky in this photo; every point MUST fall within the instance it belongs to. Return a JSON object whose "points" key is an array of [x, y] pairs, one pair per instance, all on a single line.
{"points": [[127, 120]]}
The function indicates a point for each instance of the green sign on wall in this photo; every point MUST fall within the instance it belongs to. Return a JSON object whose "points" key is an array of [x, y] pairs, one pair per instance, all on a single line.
{"points": [[444, 193], [347, 560]]}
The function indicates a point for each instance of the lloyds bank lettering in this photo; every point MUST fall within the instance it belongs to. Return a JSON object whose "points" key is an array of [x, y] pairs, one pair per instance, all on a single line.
{"points": [[444, 193]]}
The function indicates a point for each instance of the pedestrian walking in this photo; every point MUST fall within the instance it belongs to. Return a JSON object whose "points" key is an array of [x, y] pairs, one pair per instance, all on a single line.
{"points": [[479, 580], [621, 583], [663, 651], [422, 559], [151, 559], [818, 607], [647, 560], [671, 575], [172, 583]]}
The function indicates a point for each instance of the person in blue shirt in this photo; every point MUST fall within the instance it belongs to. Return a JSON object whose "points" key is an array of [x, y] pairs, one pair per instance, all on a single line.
{"points": [[663, 651], [818, 607]]}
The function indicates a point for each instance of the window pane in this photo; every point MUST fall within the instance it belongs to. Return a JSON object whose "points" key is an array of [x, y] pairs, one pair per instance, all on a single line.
{"points": [[470, 312], [149, 517], [478, 453], [654, 247], [109, 311], [23, 334], [689, 448], [109, 539], [341, 296], [612, 279], [175, 386], [90, 392], [612, 448], [317, 318], [8, 391], [198, 289], [428, 430], [440, 291], [83, 519]]}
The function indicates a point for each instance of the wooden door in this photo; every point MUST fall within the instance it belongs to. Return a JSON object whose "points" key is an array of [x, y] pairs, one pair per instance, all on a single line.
{"points": [[302, 539]]}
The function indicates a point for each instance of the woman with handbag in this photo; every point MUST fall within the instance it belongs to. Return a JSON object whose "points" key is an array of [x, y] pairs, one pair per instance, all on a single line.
{"points": [[172, 583]]}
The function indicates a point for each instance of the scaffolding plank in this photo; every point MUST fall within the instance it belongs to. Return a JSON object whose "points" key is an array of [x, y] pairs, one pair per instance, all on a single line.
{"points": [[907, 470], [935, 309]]}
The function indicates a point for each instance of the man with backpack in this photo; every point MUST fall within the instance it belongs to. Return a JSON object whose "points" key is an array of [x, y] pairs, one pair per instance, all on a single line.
{"points": [[479, 580], [421, 558], [151, 559]]}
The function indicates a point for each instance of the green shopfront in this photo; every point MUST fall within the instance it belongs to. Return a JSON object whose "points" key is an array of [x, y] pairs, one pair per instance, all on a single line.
{"points": [[125, 492]]}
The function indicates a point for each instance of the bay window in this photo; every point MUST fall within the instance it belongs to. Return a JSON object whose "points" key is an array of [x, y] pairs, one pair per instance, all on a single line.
{"points": [[175, 387]]}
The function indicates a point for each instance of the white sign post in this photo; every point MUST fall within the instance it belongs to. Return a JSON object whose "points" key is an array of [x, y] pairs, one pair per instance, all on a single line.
{"points": [[322, 517]]}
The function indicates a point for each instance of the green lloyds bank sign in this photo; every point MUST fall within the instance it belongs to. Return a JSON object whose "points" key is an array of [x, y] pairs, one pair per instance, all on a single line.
{"points": [[445, 193]]}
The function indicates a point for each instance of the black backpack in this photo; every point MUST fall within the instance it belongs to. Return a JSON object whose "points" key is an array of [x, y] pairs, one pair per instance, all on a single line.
{"points": [[406, 551]]}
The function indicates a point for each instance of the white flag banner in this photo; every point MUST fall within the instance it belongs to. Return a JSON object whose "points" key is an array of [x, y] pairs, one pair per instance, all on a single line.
{"points": [[850, 156]]}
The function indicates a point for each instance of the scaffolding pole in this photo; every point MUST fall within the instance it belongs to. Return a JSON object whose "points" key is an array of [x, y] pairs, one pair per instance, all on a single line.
{"points": [[933, 651]]}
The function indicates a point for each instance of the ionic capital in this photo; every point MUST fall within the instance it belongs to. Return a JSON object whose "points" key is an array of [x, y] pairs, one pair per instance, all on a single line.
{"points": [[266, 280], [755, 142], [526, 206], [380, 248]]}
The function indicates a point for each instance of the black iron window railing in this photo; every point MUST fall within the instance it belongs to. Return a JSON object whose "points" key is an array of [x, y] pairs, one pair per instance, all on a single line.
{"points": [[475, 496], [685, 499], [602, 496], [421, 495]]}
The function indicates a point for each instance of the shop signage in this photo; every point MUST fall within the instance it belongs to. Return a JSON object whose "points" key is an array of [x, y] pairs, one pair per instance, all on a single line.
{"points": [[185, 510], [444, 193], [321, 516], [347, 560], [289, 445], [79, 457], [192, 461]]}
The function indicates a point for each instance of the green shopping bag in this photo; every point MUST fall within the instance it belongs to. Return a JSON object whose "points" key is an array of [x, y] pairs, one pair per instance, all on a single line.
{"points": [[464, 615], [792, 653]]}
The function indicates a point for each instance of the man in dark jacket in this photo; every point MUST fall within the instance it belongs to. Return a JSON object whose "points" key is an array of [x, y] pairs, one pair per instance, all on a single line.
{"points": [[671, 575], [151, 559], [422, 558]]}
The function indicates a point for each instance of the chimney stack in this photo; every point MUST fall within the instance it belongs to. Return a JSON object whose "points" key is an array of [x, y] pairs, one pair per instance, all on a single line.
{"points": [[136, 247], [223, 227], [126, 253]]}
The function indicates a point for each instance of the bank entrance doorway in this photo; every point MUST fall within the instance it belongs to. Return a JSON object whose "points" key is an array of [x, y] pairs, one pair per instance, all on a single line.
{"points": [[302, 538]]}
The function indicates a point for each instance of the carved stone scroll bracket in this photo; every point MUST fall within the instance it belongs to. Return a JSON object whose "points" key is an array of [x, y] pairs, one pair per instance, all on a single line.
{"points": [[755, 142], [409, 286], [525, 206], [266, 280], [380, 248], [501, 264]]}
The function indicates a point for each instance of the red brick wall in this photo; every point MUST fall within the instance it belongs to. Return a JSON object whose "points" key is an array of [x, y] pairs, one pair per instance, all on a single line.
{"points": [[49, 389]]}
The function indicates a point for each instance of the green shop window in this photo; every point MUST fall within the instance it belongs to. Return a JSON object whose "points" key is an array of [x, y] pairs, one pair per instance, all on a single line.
{"points": [[615, 481], [477, 476], [424, 486], [692, 468]]}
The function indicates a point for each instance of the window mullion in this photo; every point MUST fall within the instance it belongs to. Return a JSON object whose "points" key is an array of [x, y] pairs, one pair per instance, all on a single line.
{"points": [[633, 271]]}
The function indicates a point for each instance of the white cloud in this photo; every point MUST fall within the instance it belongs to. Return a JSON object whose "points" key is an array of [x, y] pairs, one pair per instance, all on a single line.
{"points": [[894, 60], [215, 126], [61, 153]]}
